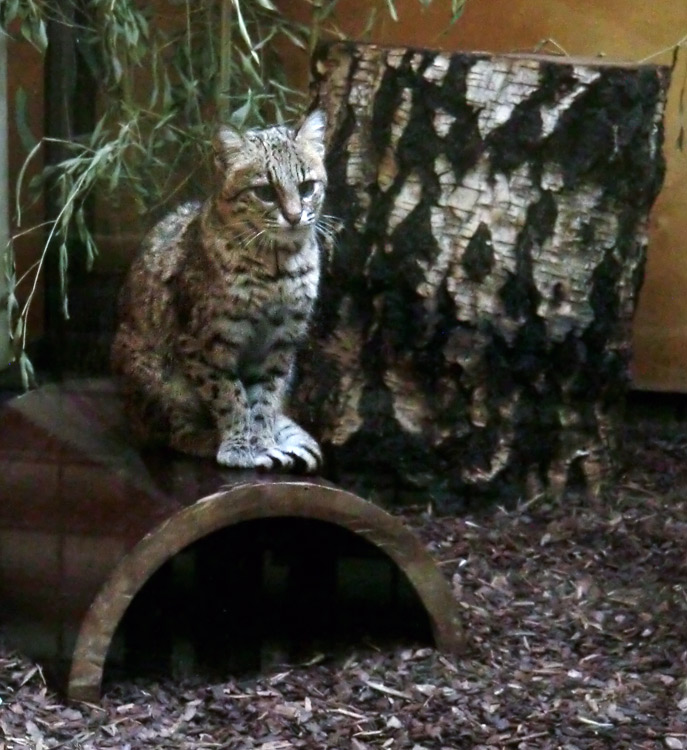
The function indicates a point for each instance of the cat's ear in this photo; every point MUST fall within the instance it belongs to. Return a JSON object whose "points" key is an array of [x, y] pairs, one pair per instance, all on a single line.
{"points": [[312, 130], [227, 142]]}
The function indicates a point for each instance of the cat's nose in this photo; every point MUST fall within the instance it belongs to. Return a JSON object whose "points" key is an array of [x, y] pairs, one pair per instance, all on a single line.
{"points": [[291, 209], [292, 217]]}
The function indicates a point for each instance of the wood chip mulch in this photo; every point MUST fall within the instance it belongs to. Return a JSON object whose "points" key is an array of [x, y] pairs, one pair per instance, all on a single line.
{"points": [[577, 621]]}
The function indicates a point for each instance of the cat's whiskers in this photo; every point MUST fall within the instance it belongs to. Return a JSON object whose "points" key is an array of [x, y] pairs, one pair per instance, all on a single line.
{"points": [[330, 221], [324, 233], [328, 227], [251, 238]]}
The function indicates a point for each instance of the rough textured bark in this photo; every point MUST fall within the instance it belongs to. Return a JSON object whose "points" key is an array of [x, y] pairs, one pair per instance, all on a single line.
{"points": [[473, 334]]}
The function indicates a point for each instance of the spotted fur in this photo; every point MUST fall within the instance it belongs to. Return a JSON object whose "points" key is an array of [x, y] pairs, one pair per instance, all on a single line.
{"points": [[219, 299]]}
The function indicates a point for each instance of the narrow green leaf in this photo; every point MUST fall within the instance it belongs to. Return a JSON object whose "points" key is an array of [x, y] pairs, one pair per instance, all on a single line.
{"points": [[81, 224], [244, 30], [28, 374], [457, 8], [251, 70], [41, 35], [36, 183], [63, 264], [238, 117], [20, 181], [154, 92], [326, 10], [287, 32], [8, 12], [167, 96], [132, 34], [369, 25], [391, 7], [97, 131], [117, 69], [24, 371], [266, 38], [27, 31], [91, 252], [143, 25]]}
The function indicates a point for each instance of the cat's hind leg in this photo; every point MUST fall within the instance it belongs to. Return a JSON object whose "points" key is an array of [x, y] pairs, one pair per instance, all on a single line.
{"points": [[160, 404]]}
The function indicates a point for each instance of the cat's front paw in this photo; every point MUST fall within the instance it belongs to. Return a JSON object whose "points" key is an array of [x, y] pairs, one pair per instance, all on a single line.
{"points": [[294, 441], [274, 459], [291, 448], [254, 454], [235, 455]]}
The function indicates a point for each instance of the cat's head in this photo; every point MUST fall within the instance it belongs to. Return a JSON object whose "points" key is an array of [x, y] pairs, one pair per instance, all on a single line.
{"points": [[272, 181]]}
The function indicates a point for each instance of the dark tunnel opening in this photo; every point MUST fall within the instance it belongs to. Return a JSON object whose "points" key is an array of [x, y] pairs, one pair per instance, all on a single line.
{"points": [[262, 594]]}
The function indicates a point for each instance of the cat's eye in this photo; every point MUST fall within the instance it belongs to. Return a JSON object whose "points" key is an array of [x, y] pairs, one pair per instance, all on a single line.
{"points": [[265, 193], [306, 188]]}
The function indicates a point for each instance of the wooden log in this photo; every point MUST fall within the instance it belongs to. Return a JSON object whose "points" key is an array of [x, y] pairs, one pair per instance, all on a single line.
{"points": [[473, 333], [86, 521]]}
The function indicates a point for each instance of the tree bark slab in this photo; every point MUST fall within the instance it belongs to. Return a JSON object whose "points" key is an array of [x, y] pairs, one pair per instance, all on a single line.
{"points": [[473, 334]]}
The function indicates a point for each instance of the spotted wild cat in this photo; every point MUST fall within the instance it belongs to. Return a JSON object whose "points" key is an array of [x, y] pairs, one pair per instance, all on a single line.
{"points": [[219, 299]]}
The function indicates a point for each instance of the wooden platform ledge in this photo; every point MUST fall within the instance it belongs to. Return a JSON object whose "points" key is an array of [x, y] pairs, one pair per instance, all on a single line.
{"points": [[85, 521]]}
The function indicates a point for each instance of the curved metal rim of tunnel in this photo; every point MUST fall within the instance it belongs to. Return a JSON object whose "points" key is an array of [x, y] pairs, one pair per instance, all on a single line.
{"points": [[251, 502]]}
